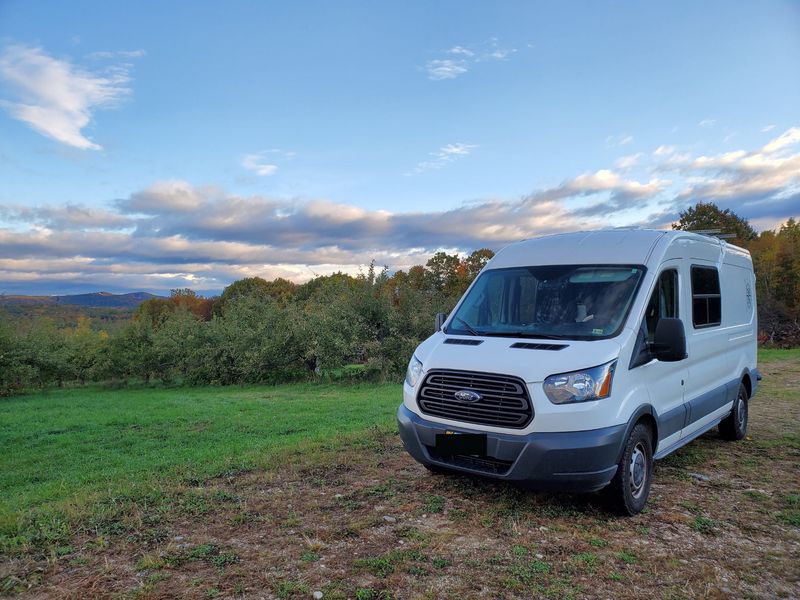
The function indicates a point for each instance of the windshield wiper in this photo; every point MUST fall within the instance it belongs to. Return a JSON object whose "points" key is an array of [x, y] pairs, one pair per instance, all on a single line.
{"points": [[469, 327], [525, 334]]}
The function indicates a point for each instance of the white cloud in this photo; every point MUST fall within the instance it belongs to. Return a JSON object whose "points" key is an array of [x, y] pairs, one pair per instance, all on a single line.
{"points": [[174, 234], [459, 59], [787, 138], [757, 184], [664, 150], [627, 162], [118, 54], [622, 139], [258, 164], [445, 68], [461, 50], [707, 123], [767, 128], [57, 98], [442, 157]]}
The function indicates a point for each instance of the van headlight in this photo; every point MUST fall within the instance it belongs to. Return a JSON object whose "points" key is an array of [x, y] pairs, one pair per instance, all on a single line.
{"points": [[580, 386], [414, 371]]}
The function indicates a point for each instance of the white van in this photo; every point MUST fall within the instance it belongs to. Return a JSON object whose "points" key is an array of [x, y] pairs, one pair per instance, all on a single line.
{"points": [[574, 360]]}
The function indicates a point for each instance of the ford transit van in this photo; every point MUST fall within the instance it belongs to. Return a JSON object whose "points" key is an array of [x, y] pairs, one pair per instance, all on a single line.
{"points": [[574, 360]]}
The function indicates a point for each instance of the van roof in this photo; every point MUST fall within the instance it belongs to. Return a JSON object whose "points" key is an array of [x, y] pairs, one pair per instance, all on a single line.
{"points": [[607, 246]]}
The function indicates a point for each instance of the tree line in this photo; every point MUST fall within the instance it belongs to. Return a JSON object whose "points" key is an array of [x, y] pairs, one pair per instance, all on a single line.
{"points": [[256, 331], [260, 331], [776, 261]]}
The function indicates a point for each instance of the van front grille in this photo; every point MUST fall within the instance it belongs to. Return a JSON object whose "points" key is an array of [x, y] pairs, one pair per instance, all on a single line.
{"points": [[496, 400]]}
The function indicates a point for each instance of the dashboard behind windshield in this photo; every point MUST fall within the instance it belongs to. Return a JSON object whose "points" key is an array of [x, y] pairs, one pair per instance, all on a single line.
{"points": [[550, 302]]}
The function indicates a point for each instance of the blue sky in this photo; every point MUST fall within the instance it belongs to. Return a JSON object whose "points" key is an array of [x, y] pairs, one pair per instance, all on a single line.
{"points": [[157, 145]]}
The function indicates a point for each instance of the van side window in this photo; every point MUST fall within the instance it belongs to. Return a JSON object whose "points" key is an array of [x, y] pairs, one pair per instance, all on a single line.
{"points": [[706, 300], [663, 304]]}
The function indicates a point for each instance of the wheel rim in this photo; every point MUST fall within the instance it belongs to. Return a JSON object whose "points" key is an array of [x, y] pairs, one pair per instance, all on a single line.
{"points": [[638, 470], [741, 411]]}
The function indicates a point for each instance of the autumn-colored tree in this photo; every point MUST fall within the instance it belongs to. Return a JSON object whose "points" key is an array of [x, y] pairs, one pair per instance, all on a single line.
{"points": [[416, 277], [188, 300]]}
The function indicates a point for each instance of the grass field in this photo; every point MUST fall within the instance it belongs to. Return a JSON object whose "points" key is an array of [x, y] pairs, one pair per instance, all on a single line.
{"points": [[276, 492]]}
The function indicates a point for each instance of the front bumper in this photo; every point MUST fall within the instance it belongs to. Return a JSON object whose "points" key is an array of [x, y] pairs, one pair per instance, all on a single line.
{"points": [[579, 461]]}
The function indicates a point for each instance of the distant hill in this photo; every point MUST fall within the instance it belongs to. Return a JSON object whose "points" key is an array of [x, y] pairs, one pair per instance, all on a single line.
{"points": [[94, 300]]}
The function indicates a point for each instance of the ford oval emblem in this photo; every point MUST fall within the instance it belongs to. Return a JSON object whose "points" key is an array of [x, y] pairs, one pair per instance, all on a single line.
{"points": [[467, 396]]}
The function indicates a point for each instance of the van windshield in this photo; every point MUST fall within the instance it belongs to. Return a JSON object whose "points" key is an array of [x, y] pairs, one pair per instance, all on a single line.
{"points": [[563, 301]]}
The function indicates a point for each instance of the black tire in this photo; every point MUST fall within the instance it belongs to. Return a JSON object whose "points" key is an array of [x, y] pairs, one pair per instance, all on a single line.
{"points": [[734, 426], [628, 491]]}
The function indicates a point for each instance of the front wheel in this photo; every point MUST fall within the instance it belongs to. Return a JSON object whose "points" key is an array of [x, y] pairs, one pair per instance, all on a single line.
{"points": [[628, 491], [734, 426]]}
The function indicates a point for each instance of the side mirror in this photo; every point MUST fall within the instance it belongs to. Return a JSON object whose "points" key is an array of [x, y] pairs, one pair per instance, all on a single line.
{"points": [[440, 319], [670, 340]]}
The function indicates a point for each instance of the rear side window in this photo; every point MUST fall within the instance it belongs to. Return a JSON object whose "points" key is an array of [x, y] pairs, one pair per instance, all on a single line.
{"points": [[706, 300]]}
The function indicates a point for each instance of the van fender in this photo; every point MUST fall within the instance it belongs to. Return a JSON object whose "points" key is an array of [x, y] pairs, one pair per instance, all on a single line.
{"points": [[644, 410], [750, 380]]}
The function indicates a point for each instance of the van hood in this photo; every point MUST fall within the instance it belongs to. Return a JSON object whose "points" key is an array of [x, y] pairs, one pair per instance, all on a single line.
{"points": [[496, 355]]}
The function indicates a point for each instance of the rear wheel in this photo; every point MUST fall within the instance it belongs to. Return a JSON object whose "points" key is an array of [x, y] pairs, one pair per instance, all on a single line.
{"points": [[628, 491], [734, 426]]}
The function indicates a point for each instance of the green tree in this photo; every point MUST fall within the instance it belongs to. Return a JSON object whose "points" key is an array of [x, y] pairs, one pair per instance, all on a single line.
{"points": [[787, 271], [82, 347], [442, 273], [476, 261], [154, 311], [707, 215], [15, 372]]}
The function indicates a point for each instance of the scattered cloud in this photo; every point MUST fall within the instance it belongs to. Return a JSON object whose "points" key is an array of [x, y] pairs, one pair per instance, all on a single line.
{"points": [[445, 68], [729, 137], [767, 128], [258, 164], [628, 162], [174, 234], [118, 54], [707, 122], [756, 184], [459, 59], [57, 98], [664, 151], [622, 139], [442, 157]]}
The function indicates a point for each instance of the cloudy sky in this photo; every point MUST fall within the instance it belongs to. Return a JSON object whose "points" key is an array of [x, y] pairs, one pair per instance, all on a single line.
{"points": [[151, 145]]}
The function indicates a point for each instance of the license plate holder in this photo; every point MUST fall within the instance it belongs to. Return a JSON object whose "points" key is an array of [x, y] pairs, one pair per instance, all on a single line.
{"points": [[470, 444]]}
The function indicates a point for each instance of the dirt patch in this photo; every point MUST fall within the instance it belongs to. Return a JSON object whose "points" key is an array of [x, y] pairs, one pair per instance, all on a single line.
{"points": [[365, 521]]}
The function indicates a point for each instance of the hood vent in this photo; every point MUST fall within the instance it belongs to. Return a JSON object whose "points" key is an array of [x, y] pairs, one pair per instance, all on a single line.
{"points": [[463, 342], [534, 346]]}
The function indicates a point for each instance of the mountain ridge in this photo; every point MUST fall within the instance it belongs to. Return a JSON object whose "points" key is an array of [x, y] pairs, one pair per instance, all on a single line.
{"points": [[93, 299]]}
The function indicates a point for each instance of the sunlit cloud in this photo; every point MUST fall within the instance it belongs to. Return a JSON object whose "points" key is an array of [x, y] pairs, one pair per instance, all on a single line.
{"points": [[176, 234]]}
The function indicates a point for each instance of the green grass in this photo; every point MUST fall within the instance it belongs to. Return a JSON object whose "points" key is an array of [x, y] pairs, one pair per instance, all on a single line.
{"points": [[770, 354], [64, 449]]}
